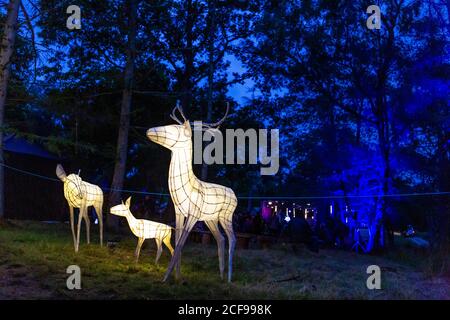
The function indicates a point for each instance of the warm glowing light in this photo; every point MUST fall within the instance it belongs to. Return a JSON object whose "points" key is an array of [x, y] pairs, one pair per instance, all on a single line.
{"points": [[145, 229], [81, 194], [195, 200]]}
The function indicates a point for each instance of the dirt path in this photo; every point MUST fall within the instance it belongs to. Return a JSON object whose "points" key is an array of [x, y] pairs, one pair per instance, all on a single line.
{"points": [[16, 283]]}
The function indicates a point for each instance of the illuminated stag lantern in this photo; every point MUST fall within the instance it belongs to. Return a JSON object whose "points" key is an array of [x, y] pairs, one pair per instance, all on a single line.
{"points": [[145, 229], [80, 194], [195, 200]]}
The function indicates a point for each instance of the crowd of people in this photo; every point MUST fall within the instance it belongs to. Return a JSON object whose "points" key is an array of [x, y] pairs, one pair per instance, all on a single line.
{"points": [[328, 231], [324, 231]]}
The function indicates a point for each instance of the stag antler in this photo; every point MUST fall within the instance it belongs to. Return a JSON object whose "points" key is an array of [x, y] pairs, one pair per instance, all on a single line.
{"points": [[216, 125], [180, 110], [205, 125]]}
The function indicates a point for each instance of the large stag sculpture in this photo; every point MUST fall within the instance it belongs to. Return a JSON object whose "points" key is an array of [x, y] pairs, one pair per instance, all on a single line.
{"points": [[195, 200]]}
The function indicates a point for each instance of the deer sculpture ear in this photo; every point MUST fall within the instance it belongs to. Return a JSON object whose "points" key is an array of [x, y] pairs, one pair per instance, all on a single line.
{"points": [[61, 174], [128, 202]]}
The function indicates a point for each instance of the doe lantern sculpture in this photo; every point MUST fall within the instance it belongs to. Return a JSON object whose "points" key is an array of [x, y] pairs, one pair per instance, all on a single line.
{"points": [[195, 200], [145, 229], [81, 194]]}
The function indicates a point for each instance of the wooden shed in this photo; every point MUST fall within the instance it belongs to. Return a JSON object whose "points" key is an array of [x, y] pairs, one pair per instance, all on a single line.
{"points": [[28, 194]]}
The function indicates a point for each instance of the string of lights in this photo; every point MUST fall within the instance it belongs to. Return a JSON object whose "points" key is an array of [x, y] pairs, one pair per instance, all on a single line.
{"points": [[161, 194]]}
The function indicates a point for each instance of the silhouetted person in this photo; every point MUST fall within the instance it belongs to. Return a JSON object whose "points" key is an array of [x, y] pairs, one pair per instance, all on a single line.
{"points": [[257, 224], [300, 232], [274, 226]]}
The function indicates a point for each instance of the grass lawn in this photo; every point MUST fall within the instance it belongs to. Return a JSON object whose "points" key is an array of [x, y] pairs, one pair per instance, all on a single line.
{"points": [[34, 257]]}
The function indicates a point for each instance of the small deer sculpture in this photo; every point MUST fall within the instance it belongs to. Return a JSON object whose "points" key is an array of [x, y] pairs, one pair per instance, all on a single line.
{"points": [[81, 194], [195, 200], [145, 229]]}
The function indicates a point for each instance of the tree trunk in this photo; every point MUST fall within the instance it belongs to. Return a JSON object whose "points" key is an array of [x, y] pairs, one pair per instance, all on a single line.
{"points": [[6, 51], [381, 112], [377, 223], [122, 140], [359, 123], [439, 221], [186, 79], [211, 11]]}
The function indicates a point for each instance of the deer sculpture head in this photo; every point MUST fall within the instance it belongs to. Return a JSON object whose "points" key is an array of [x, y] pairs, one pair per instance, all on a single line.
{"points": [[72, 179], [121, 209], [178, 136]]}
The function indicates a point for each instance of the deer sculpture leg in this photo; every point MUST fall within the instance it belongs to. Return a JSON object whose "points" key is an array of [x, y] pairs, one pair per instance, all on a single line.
{"points": [[87, 220], [179, 223], [214, 227], [166, 241], [227, 225], [83, 211], [159, 250], [189, 224], [98, 211], [137, 252], [72, 226]]}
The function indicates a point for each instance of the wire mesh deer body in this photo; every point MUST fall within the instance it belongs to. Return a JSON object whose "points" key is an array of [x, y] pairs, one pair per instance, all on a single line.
{"points": [[145, 229], [81, 194], [195, 200]]}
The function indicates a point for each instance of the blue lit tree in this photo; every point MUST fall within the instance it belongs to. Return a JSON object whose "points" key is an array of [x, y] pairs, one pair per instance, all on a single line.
{"points": [[338, 91]]}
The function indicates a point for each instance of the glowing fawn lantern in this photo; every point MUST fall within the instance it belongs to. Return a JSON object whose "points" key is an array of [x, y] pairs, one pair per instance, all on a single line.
{"points": [[145, 229], [195, 200], [80, 194]]}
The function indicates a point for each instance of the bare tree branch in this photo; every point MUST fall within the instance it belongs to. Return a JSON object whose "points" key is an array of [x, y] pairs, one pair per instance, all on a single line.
{"points": [[33, 36]]}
